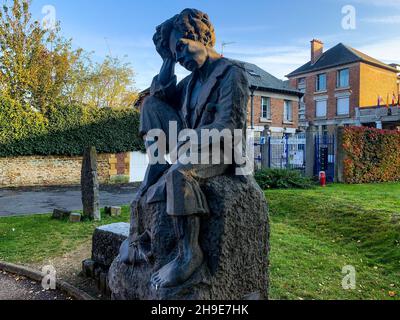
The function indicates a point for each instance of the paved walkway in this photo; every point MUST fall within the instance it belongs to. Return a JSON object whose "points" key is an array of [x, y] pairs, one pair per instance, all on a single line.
{"points": [[19, 288], [44, 200]]}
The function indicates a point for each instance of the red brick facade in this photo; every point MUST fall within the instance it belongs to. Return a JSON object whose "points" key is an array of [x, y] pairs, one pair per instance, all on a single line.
{"points": [[331, 92], [367, 79], [277, 111]]}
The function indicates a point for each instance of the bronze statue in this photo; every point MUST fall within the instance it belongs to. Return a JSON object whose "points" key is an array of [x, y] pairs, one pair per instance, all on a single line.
{"points": [[188, 39], [187, 218]]}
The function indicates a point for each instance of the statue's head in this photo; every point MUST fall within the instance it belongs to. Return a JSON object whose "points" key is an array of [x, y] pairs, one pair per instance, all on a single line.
{"points": [[188, 36]]}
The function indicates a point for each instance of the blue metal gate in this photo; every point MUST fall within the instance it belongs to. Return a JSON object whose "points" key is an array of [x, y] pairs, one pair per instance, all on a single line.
{"points": [[325, 156]]}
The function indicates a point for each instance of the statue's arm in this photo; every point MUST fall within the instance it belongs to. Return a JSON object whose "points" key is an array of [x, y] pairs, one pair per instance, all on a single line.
{"points": [[164, 85], [231, 106], [230, 109]]}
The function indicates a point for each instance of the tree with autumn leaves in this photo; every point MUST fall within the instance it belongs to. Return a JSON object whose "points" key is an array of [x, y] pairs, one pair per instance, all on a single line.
{"points": [[39, 69]]}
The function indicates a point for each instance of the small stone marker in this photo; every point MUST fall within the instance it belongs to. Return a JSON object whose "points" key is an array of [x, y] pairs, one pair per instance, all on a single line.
{"points": [[75, 217], [90, 185], [59, 214], [116, 211]]}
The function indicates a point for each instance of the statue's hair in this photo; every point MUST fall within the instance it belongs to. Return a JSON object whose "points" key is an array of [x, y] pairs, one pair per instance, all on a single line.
{"points": [[193, 24]]}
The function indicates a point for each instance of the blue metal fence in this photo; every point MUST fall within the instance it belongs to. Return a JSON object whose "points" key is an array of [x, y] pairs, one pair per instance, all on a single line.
{"points": [[288, 152]]}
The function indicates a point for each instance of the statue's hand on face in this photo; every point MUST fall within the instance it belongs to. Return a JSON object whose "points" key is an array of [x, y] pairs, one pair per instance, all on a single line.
{"points": [[164, 51], [189, 53], [162, 45]]}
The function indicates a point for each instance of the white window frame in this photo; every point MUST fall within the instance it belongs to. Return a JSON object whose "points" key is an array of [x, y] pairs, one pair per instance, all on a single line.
{"points": [[288, 111], [318, 114], [268, 105], [301, 83], [318, 82], [338, 82], [347, 111]]}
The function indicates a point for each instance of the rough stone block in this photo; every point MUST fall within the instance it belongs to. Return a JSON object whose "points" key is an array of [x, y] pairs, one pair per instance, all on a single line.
{"points": [[60, 214], [107, 241], [75, 217], [234, 238]]}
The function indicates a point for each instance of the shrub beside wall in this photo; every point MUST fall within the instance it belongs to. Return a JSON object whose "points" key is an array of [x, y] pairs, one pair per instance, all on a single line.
{"points": [[371, 155], [66, 130], [282, 179]]}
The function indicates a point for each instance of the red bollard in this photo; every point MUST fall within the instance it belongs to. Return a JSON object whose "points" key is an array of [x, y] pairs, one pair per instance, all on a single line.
{"points": [[322, 178]]}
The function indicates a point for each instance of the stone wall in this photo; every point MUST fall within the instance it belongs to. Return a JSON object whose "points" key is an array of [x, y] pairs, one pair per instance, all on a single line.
{"points": [[57, 170]]}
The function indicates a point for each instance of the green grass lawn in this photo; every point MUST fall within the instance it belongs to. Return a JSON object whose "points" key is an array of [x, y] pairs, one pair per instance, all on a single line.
{"points": [[314, 234], [32, 239]]}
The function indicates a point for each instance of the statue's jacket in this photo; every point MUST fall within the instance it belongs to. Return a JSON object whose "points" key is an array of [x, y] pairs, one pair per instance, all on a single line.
{"points": [[221, 104]]}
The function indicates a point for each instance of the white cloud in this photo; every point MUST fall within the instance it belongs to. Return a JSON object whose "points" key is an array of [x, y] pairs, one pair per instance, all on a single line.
{"points": [[387, 51], [381, 3], [383, 20], [277, 60]]}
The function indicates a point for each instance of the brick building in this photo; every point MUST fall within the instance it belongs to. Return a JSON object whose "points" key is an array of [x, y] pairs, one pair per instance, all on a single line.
{"points": [[273, 105], [342, 86]]}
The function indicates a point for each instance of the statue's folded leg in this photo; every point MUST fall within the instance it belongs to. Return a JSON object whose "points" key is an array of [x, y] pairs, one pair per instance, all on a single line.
{"points": [[155, 114], [186, 204]]}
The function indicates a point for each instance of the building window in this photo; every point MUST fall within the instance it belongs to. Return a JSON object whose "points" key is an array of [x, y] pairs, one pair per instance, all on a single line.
{"points": [[343, 106], [321, 108], [343, 78], [301, 84], [321, 82], [288, 111], [266, 108]]}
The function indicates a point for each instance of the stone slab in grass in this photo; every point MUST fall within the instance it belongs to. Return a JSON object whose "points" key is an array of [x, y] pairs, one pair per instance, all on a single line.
{"points": [[59, 214], [75, 217], [113, 211], [116, 211], [107, 241]]}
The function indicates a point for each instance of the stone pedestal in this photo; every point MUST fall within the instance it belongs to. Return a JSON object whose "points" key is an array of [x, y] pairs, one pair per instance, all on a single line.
{"points": [[234, 239], [106, 243]]}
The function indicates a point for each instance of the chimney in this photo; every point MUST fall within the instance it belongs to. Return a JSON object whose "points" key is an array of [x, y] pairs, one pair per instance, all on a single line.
{"points": [[317, 49]]}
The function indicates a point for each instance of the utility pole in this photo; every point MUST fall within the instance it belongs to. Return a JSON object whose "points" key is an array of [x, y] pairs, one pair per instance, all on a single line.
{"points": [[108, 46], [223, 45]]}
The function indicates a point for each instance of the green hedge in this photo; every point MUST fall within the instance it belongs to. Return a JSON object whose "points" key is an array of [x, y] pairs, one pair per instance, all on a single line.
{"points": [[66, 130], [371, 155], [282, 179]]}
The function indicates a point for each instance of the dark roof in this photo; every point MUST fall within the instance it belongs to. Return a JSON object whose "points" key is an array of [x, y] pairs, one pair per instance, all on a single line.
{"points": [[260, 79], [337, 56]]}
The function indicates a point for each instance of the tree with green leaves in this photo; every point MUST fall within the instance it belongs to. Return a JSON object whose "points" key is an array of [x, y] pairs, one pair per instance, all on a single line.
{"points": [[39, 69], [35, 61], [109, 84]]}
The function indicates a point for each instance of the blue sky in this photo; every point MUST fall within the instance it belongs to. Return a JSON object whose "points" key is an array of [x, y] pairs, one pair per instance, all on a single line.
{"points": [[273, 34]]}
